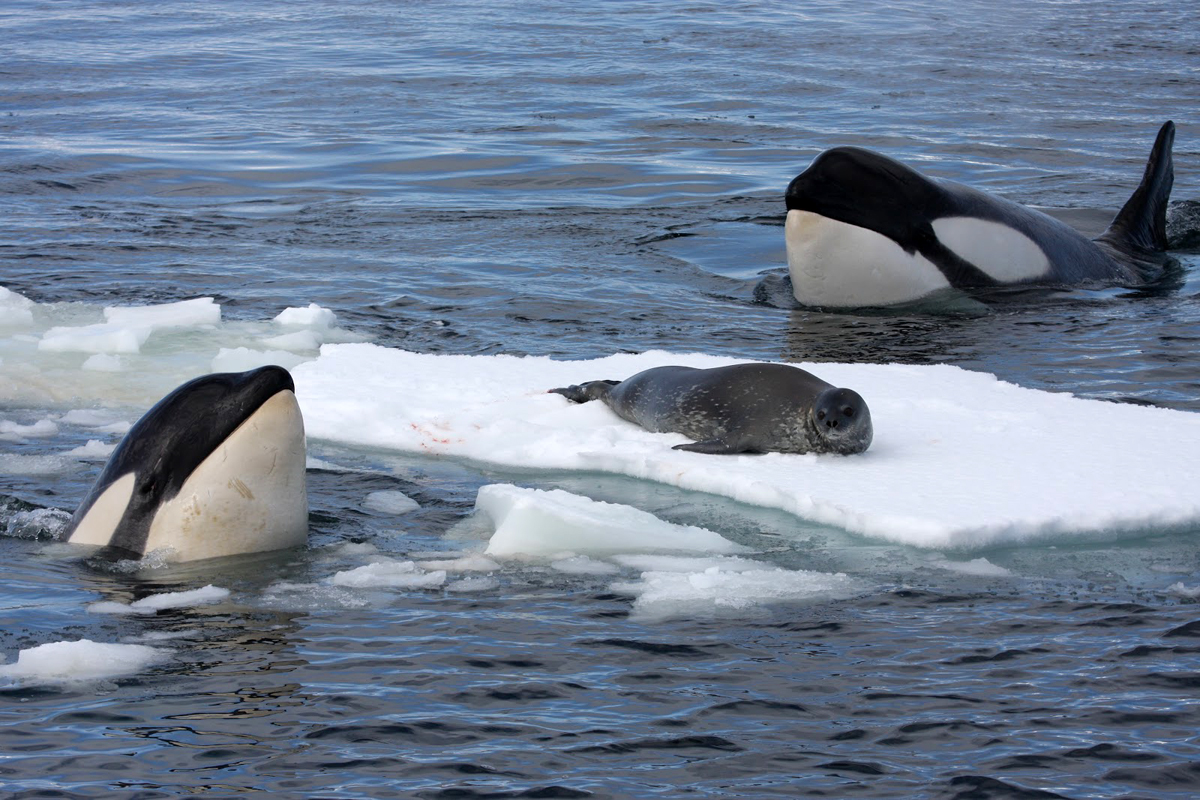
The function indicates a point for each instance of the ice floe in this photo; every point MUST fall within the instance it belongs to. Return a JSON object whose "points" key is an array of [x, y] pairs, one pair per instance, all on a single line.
{"points": [[960, 459], [82, 660]]}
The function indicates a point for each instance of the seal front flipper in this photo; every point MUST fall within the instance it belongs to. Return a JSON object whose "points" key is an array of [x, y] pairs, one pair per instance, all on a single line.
{"points": [[716, 447], [584, 392]]}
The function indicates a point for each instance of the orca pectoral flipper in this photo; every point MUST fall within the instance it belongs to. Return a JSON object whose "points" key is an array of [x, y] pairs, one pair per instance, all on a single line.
{"points": [[585, 392]]}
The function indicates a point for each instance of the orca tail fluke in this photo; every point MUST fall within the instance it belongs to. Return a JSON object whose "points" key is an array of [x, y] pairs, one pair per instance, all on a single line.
{"points": [[1141, 225]]}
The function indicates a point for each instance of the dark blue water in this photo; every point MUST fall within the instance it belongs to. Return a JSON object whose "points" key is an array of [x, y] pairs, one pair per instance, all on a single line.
{"points": [[554, 179]]}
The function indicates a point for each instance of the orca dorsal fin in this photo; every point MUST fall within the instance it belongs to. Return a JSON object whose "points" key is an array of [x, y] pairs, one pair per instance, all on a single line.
{"points": [[1141, 225]]}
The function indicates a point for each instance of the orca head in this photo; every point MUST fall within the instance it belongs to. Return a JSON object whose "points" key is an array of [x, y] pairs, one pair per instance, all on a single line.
{"points": [[858, 230], [842, 421], [215, 468], [868, 190], [865, 230]]}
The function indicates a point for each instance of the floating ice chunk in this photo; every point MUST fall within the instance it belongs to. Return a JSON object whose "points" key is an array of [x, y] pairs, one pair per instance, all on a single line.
{"points": [[18, 464], [390, 502], [976, 566], [1178, 588], [184, 314], [104, 421], [718, 592], [40, 429], [240, 359], [311, 596], [98, 338], [83, 660], [16, 311], [473, 583], [300, 340], [37, 523], [467, 563], [103, 362], [394, 574], [157, 602], [94, 450], [534, 522], [582, 565], [312, 317]]}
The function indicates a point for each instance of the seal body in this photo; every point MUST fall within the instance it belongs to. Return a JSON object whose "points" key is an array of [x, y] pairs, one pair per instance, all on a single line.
{"points": [[865, 230], [743, 408], [215, 468]]}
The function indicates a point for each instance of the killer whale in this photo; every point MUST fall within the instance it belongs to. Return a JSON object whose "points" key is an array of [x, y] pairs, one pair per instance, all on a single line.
{"points": [[863, 229], [215, 468]]}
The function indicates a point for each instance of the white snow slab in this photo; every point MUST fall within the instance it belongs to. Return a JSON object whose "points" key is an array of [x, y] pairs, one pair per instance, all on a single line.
{"points": [[960, 459], [81, 660]]}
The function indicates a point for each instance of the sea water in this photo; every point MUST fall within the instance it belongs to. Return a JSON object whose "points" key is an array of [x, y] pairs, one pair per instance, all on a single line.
{"points": [[433, 213]]}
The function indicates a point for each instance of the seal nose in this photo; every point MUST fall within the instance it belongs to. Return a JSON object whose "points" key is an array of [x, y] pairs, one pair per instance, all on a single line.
{"points": [[832, 420]]}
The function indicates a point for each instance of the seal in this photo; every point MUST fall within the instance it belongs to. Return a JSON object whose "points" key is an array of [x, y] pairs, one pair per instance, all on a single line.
{"points": [[742, 408], [865, 230], [215, 468]]}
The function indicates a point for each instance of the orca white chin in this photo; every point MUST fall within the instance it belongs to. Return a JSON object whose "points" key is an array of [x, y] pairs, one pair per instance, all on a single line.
{"points": [[248, 496], [836, 264]]}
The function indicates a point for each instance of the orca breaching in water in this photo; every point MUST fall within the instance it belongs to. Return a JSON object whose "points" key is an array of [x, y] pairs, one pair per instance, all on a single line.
{"points": [[215, 468], [865, 230]]}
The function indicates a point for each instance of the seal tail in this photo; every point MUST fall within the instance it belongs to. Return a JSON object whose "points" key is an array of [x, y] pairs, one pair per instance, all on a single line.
{"points": [[583, 392], [1141, 225]]}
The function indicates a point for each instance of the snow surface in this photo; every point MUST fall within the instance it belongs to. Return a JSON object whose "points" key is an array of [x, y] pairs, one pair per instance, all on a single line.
{"points": [[82, 660]]}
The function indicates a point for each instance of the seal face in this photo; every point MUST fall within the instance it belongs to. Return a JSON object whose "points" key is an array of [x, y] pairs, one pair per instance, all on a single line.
{"points": [[215, 468], [865, 230], [743, 408]]}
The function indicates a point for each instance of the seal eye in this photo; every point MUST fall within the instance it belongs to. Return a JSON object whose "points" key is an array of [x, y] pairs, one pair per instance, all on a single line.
{"points": [[821, 414], [848, 411]]}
